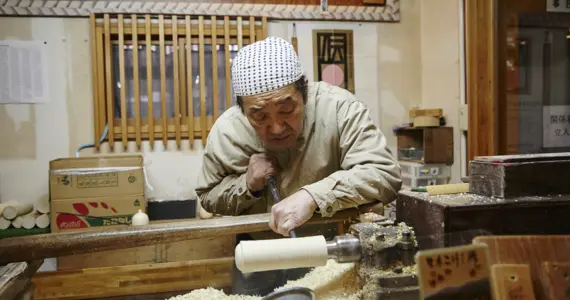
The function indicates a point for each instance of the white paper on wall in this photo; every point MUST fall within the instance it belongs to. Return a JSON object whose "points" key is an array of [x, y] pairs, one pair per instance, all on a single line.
{"points": [[23, 72], [558, 6], [556, 126]]}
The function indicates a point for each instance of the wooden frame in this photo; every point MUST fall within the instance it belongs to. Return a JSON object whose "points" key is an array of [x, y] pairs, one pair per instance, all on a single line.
{"points": [[323, 41], [481, 77], [338, 10], [179, 32], [493, 114]]}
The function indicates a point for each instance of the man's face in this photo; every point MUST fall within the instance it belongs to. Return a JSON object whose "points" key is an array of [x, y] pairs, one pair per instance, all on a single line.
{"points": [[276, 116]]}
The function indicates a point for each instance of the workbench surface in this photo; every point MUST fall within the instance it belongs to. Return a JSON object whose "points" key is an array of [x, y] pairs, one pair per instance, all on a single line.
{"points": [[469, 199], [455, 219]]}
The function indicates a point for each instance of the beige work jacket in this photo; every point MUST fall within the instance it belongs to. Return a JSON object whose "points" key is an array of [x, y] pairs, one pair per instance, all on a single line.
{"points": [[341, 159]]}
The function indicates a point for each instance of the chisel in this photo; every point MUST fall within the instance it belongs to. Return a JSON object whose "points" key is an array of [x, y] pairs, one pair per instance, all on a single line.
{"points": [[273, 187]]}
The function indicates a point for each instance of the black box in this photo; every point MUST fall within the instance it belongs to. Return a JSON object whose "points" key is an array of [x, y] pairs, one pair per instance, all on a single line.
{"points": [[453, 220], [160, 209]]}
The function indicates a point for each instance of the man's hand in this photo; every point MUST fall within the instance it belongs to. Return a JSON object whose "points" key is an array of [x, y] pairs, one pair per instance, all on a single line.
{"points": [[292, 212], [260, 165]]}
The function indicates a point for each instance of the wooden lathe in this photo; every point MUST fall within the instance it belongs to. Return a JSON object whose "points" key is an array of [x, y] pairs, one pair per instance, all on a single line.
{"points": [[20, 257]]}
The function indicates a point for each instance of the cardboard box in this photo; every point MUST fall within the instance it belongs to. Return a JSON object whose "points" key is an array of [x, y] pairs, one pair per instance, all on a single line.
{"points": [[83, 213], [72, 178]]}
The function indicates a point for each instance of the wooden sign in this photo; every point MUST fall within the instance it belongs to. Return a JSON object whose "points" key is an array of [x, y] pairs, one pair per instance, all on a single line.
{"points": [[556, 279], [334, 57], [531, 250], [454, 273], [512, 282]]}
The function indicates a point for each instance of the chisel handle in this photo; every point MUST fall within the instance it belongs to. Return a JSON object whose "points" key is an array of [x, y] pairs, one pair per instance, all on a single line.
{"points": [[273, 187]]}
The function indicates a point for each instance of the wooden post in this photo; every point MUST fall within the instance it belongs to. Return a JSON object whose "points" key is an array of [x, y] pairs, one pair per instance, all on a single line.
{"points": [[123, 82], [162, 79], [150, 114], [189, 82], [176, 78], [109, 83], [203, 123], [136, 87], [227, 46]]}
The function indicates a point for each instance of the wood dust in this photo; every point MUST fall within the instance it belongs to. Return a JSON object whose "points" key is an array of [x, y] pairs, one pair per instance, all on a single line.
{"points": [[333, 281], [212, 294]]}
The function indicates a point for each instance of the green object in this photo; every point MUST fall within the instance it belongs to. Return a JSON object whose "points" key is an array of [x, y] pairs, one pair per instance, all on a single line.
{"points": [[419, 189], [12, 232]]}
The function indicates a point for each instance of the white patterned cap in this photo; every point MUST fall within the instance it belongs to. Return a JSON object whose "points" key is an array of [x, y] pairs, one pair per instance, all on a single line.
{"points": [[265, 66]]}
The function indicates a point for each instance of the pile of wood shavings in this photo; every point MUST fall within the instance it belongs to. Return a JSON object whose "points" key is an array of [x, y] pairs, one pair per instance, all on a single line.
{"points": [[333, 281], [212, 294]]}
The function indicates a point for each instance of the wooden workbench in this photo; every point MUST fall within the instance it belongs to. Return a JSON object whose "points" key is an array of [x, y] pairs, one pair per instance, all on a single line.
{"points": [[142, 275]]}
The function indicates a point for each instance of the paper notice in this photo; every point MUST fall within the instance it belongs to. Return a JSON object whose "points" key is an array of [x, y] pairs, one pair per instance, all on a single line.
{"points": [[23, 72]]}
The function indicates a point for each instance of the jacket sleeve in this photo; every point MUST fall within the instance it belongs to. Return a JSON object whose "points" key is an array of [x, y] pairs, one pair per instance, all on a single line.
{"points": [[369, 172], [221, 185]]}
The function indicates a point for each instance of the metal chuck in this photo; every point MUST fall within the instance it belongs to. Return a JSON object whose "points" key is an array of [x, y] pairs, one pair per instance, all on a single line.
{"points": [[344, 248]]}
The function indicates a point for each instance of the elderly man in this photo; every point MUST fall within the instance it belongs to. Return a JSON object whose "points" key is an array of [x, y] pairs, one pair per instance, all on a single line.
{"points": [[316, 139]]}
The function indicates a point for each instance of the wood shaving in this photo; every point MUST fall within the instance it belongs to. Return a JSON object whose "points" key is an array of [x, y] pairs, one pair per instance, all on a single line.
{"points": [[212, 294], [333, 281]]}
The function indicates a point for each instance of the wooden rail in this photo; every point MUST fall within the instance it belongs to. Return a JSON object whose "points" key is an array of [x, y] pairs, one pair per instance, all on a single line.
{"points": [[96, 283], [28, 248]]}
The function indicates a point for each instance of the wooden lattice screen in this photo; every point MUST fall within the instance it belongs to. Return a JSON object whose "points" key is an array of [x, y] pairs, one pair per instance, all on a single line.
{"points": [[119, 68]]}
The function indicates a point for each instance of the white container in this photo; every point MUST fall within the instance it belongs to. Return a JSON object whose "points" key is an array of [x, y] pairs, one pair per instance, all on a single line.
{"points": [[417, 170], [140, 219], [422, 182]]}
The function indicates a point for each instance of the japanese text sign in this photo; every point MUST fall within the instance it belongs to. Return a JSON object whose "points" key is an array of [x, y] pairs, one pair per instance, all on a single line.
{"points": [[556, 126], [454, 273]]}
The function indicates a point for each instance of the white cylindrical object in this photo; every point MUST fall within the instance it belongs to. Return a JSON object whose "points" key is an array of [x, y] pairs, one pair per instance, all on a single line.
{"points": [[140, 218], [6, 204], [17, 222], [279, 254], [4, 224], [12, 211], [29, 221], [42, 205], [42, 221]]}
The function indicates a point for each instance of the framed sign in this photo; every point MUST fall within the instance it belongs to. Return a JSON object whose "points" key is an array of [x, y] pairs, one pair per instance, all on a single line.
{"points": [[333, 57], [555, 126]]}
